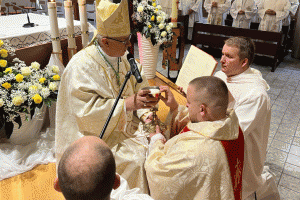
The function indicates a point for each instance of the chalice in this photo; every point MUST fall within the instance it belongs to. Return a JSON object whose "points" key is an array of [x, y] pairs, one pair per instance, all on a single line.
{"points": [[151, 126]]}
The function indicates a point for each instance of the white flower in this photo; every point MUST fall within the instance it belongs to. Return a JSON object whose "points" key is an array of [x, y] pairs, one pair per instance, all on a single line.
{"points": [[163, 34], [18, 100], [159, 18], [52, 86], [140, 9], [161, 26], [45, 92], [35, 65], [1, 102], [159, 7], [170, 24], [168, 28], [33, 89], [55, 69], [26, 71]]}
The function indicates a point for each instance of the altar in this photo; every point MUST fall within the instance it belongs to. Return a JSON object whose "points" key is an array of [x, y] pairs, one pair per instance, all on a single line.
{"points": [[12, 29]]}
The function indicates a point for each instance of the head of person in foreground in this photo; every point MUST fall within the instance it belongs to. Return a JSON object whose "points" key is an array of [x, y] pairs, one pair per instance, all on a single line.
{"points": [[87, 170], [207, 99], [237, 55]]}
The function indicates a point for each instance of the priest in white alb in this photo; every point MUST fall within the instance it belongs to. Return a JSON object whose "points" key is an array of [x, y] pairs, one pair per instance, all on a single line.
{"points": [[89, 87], [293, 11], [242, 11], [249, 99], [272, 13], [216, 9], [205, 158], [192, 8]]}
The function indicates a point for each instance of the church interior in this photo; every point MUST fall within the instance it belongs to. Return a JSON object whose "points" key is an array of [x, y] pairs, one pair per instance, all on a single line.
{"points": [[28, 171]]}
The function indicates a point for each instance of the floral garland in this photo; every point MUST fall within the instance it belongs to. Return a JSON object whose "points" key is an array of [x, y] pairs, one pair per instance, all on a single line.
{"points": [[151, 21], [23, 88]]}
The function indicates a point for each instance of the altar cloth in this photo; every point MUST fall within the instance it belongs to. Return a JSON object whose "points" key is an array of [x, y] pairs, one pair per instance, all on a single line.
{"points": [[19, 37]]}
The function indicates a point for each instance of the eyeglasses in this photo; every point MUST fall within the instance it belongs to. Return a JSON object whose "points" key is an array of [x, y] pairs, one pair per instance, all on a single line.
{"points": [[124, 42]]}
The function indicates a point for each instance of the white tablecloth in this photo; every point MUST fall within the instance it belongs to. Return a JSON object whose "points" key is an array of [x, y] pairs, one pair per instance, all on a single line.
{"points": [[12, 29]]}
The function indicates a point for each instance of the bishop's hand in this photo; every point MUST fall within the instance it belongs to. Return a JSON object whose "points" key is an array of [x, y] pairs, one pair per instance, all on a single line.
{"points": [[142, 99]]}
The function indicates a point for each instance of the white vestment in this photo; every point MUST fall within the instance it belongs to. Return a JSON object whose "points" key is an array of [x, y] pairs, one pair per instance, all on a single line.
{"points": [[273, 22], [293, 11], [252, 105], [215, 14], [255, 17], [196, 16], [87, 93], [242, 20], [123, 192], [194, 164]]}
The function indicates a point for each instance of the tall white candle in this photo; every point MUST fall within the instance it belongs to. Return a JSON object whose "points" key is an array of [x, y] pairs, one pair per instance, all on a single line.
{"points": [[70, 23], [174, 14], [83, 22], [54, 27]]}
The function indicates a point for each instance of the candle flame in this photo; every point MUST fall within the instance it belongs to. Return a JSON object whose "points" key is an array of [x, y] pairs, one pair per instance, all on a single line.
{"points": [[52, 0]]}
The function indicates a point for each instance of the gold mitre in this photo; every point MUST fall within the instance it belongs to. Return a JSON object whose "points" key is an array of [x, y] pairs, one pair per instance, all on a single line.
{"points": [[112, 19]]}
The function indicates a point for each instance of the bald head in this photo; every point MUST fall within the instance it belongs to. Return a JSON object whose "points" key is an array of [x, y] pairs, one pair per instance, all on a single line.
{"points": [[212, 92], [87, 170]]}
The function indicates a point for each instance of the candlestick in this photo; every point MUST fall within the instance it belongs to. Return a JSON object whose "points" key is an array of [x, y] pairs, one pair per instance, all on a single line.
{"points": [[83, 22], [174, 13], [54, 27], [70, 27]]}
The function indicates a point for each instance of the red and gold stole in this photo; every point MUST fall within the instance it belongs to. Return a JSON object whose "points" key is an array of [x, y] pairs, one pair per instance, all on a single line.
{"points": [[235, 156]]}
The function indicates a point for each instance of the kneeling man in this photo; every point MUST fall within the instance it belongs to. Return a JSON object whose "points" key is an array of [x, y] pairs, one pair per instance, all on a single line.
{"points": [[205, 160]]}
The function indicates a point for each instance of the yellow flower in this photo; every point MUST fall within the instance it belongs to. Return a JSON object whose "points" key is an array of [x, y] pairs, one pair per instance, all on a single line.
{"points": [[6, 85], [154, 4], [56, 77], [37, 99], [1, 43], [3, 51], [33, 89], [3, 63], [153, 18], [149, 26], [4, 55], [18, 100], [156, 10], [153, 0], [42, 80], [19, 78], [8, 70]]}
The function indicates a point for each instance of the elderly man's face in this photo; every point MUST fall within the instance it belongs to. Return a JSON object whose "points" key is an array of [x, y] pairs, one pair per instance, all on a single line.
{"points": [[118, 45], [230, 61]]}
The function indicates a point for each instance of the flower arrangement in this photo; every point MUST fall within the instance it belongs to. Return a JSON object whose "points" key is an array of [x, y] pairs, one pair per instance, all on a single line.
{"points": [[151, 21], [23, 88]]}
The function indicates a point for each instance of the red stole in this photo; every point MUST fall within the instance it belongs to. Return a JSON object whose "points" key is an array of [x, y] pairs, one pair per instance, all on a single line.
{"points": [[235, 156]]}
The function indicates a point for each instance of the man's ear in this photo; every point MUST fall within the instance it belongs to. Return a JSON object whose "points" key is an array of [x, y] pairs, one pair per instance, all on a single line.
{"points": [[117, 182], [203, 110], [245, 63], [56, 185]]}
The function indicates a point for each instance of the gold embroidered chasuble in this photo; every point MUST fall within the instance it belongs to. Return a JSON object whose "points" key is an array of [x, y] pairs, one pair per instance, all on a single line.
{"points": [[193, 164], [87, 93], [215, 14]]}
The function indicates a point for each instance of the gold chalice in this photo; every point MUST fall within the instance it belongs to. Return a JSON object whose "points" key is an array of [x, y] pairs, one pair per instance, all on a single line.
{"points": [[151, 126]]}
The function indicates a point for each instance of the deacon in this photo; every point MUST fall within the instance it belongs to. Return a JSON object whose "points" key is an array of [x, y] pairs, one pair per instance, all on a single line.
{"points": [[249, 98], [292, 13], [272, 13], [97, 178], [192, 8], [89, 86], [242, 12], [216, 9], [205, 160]]}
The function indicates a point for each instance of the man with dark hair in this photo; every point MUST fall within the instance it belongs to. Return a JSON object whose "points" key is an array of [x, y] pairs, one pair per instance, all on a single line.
{"points": [[205, 158], [249, 98], [87, 170]]}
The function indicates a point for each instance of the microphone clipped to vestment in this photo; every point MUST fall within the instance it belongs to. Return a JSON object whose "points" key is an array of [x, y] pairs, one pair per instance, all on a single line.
{"points": [[134, 68]]}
